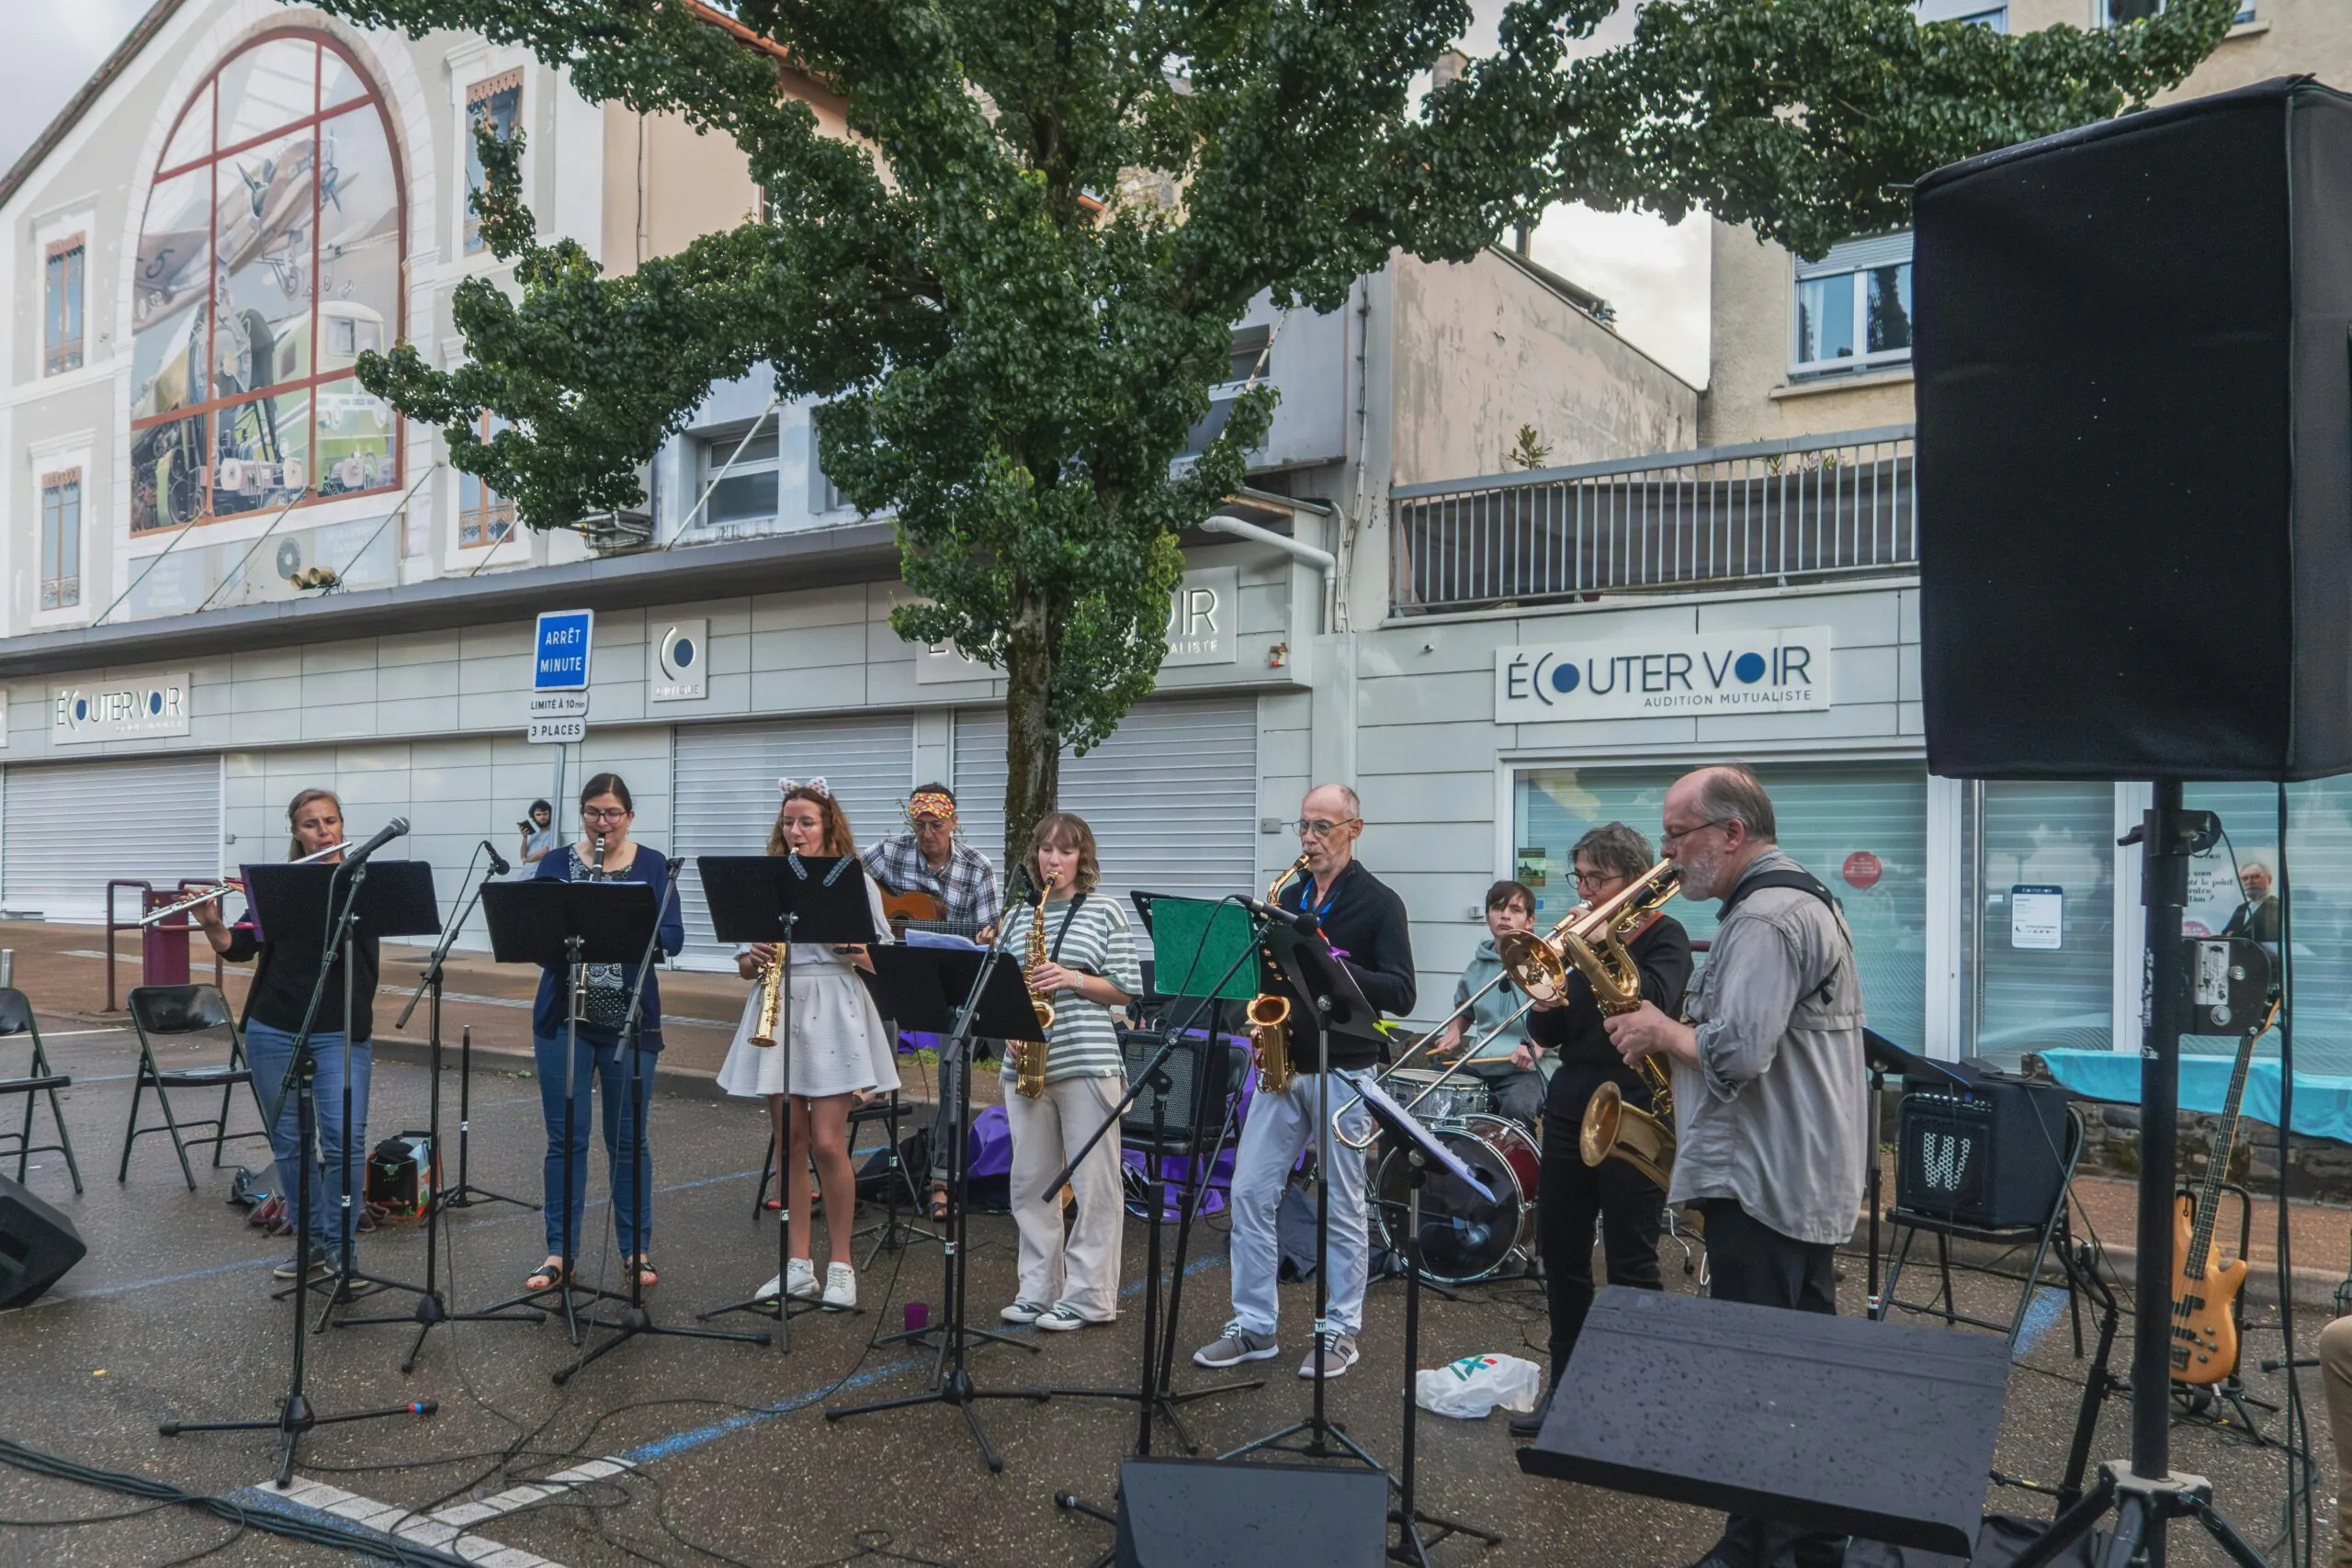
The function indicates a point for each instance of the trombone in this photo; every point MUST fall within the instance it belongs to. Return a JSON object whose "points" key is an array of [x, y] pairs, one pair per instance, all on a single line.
{"points": [[1591, 939], [207, 895]]}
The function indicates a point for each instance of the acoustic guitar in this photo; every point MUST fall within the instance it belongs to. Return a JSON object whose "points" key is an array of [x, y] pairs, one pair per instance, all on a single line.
{"points": [[2205, 1290], [919, 911]]}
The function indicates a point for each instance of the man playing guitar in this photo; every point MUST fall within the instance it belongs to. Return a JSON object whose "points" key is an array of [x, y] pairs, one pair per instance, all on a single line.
{"points": [[932, 881]]}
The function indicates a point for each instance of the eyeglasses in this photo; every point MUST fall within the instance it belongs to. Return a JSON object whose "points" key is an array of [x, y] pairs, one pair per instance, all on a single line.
{"points": [[1674, 836], [603, 814], [1315, 827], [1595, 878]]}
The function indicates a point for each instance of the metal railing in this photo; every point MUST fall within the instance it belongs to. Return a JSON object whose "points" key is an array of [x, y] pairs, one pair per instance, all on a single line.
{"points": [[1808, 510]]}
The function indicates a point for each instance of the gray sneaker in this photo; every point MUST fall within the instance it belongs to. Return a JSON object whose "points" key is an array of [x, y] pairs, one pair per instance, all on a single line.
{"points": [[1235, 1346], [1332, 1347]]}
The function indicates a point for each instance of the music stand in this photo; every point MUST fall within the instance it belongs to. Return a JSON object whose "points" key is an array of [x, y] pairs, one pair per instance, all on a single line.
{"points": [[286, 902], [1884, 1057], [784, 899], [1307, 964], [918, 982], [1422, 1150], [556, 923]]}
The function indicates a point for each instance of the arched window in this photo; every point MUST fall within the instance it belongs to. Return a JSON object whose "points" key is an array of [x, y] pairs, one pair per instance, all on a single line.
{"points": [[269, 259]]}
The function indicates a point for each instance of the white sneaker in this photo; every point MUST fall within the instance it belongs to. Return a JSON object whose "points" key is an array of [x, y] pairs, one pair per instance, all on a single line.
{"points": [[841, 1285], [768, 1290], [800, 1279]]}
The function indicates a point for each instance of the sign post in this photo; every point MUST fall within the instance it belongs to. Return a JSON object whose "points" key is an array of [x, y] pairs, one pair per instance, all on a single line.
{"points": [[559, 703]]}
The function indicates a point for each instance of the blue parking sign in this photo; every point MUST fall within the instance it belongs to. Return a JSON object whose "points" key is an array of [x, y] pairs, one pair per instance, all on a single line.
{"points": [[560, 650]]}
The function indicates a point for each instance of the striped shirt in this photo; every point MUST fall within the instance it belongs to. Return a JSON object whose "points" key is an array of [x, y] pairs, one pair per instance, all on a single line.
{"points": [[1094, 936]]}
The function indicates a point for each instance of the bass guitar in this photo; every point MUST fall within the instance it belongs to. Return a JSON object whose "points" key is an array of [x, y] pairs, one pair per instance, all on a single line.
{"points": [[920, 911], [2205, 1290]]}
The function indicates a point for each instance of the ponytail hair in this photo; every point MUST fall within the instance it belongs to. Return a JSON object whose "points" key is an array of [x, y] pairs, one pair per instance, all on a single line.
{"points": [[294, 850]]}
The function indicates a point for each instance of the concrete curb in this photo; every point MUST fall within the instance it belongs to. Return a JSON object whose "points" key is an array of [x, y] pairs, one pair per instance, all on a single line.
{"points": [[2312, 1287]]}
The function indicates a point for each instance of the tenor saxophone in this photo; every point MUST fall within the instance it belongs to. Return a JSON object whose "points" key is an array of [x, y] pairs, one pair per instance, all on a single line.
{"points": [[1268, 1014], [1029, 1055]]}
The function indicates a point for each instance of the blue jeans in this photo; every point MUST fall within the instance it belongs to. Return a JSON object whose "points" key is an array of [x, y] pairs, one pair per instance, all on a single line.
{"points": [[269, 1051], [625, 1147]]}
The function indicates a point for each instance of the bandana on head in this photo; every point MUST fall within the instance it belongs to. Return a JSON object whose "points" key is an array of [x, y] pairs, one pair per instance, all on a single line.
{"points": [[930, 804], [814, 786]]}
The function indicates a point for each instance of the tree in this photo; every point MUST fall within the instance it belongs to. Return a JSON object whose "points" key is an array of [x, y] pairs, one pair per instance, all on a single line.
{"points": [[1013, 292]]}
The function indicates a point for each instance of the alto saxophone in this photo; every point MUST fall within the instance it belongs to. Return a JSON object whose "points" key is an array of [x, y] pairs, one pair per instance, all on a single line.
{"points": [[1029, 1055], [1268, 1014]]}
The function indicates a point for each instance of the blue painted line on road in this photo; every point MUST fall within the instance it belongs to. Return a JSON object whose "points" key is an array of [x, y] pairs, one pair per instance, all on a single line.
{"points": [[686, 1441], [2048, 1302]]}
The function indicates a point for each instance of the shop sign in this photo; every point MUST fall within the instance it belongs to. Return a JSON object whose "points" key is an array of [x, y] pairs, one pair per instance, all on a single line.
{"points": [[126, 710], [1776, 669], [1862, 870], [1203, 615], [680, 660]]}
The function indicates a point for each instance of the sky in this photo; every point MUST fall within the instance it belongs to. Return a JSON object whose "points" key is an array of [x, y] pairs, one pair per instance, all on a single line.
{"points": [[1654, 274]]}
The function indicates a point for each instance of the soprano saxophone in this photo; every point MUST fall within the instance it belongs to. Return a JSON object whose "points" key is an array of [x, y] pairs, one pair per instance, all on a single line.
{"points": [[1268, 1014]]}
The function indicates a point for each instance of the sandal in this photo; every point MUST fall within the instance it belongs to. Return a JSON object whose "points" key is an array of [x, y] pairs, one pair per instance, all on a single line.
{"points": [[646, 1278], [544, 1278], [939, 1202]]}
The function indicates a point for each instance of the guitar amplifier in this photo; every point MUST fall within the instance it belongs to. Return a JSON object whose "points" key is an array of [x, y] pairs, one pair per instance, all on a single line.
{"points": [[1200, 1077], [1989, 1153]]}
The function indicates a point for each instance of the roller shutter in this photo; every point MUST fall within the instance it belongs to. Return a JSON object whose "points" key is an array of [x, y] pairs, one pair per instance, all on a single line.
{"points": [[66, 829]]}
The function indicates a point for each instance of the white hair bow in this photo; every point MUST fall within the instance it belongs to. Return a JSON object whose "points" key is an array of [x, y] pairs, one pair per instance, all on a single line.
{"points": [[814, 786]]}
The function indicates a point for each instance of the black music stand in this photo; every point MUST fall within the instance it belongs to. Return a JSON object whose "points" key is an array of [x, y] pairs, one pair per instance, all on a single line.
{"points": [[1307, 964], [918, 982], [1421, 1151], [430, 1308], [784, 899], [391, 898], [637, 1321], [557, 923], [285, 903], [1150, 1393], [1883, 1056]]}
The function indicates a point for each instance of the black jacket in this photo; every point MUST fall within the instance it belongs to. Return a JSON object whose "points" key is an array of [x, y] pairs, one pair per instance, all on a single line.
{"points": [[1587, 1058], [1363, 921], [280, 992]]}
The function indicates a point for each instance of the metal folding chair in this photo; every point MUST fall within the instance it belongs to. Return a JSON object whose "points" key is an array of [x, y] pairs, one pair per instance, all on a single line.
{"points": [[170, 1013], [17, 1018]]}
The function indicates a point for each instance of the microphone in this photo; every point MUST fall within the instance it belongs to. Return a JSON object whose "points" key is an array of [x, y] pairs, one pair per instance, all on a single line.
{"points": [[1299, 920], [498, 866], [392, 829]]}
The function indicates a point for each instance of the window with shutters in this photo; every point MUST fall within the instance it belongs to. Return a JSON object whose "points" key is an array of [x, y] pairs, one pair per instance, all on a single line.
{"points": [[497, 103], [60, 539], [484, 516], [61, 272], [1853, 308], [269, 259], [2031, 990]]}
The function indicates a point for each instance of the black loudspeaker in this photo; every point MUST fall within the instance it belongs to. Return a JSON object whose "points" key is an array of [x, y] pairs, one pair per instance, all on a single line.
{"points": [[1200, 1074], [2135, 389], [1194, 1513], [1992, 1155], [38, 1245]]}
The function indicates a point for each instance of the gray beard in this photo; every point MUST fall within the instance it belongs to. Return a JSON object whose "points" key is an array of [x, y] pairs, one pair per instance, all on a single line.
{"points": [[1699, 875]]}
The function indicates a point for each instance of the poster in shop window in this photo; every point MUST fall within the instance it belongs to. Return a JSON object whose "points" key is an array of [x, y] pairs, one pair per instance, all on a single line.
{"points": [[2037, 918]]}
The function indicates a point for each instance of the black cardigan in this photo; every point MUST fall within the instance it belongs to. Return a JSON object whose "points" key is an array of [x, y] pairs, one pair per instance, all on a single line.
{"points": [[1364, 922], [288, 967]]}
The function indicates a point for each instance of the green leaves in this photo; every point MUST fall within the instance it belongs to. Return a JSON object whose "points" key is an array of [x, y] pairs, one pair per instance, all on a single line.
{"points": [[1011, 294]]}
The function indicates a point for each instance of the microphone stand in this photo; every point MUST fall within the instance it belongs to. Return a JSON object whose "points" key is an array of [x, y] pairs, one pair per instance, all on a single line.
{"points": [[431, 1309], [636, 1320], [295, 1416], [465, 1194]]}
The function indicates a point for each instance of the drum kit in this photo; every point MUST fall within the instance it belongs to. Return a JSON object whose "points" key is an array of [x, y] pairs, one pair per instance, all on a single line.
{"points": [[1466, 1236]]}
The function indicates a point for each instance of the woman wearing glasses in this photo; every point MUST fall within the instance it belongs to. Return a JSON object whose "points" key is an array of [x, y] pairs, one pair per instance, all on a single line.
{"points": [[1570, 1193], [604, 853]]}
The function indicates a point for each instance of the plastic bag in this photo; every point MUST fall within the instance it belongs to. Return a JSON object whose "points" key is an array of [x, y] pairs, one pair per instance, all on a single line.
{"points": [[1474, 1386]]}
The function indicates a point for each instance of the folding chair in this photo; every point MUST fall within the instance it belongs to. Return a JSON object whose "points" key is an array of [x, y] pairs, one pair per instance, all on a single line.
{"points": [[892, 1233], [17, 1018], [168, 1013], [2053, 1233]]}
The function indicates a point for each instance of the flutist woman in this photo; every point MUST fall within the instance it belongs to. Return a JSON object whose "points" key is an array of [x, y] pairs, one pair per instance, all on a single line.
{"points": [[1080, 955], [604, 853], [1570, 1193], [836, 1050], [286, 970]]}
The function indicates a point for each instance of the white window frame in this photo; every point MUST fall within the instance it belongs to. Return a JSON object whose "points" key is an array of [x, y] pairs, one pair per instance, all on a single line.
{"points": [[66, 454], [1803, 273], [2103, 15], [711, 450], [825, 495], [466, 72]]}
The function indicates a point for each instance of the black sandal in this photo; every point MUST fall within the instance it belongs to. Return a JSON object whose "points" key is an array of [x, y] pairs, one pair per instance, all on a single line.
{"points": [[551, 1272]]}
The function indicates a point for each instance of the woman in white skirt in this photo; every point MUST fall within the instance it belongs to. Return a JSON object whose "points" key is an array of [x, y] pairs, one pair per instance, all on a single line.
{"points": [[838, 1050], [1090, 969]]}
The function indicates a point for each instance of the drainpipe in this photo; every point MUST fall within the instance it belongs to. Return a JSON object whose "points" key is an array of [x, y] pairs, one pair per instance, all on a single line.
{"points": [[1241, 528]]}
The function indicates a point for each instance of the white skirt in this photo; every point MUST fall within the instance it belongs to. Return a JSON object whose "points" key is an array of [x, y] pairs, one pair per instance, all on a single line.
{"points": [[837, 1044]]}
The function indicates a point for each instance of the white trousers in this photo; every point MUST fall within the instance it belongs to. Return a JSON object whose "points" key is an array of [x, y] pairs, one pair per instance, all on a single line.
{"points": [[1083, 1269], [1279, 1127]]}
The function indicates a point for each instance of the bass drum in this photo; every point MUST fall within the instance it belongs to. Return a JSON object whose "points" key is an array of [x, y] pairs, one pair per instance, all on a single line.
{"points": [[1465, 1237]]}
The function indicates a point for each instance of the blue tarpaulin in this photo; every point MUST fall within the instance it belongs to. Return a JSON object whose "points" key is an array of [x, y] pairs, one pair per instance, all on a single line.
{"points": [[2323, 1102]]}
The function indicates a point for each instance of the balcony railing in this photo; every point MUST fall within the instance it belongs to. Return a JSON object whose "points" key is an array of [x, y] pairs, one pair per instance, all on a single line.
{"points": [[1774, 513]]}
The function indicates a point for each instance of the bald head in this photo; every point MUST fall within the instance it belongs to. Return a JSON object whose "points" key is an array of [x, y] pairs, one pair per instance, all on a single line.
{"points": [[1331, 819]]}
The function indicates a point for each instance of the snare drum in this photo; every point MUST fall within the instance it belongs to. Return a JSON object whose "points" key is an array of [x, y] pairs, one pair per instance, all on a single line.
{"points": [[1465, 1237], [1447, 1104]]}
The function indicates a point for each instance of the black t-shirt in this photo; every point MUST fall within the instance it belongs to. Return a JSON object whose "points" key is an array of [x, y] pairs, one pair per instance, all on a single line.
{"points": [[1662, 953], [1363, 921], [289, 967]]}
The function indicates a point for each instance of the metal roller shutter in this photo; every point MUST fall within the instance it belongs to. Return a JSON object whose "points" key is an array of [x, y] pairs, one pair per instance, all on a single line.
{"points": [[1173, 795], [726, 789], [162, 822]]}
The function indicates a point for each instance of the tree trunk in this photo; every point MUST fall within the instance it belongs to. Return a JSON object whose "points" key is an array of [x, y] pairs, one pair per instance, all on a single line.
{"points": [[1032, 752]]}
